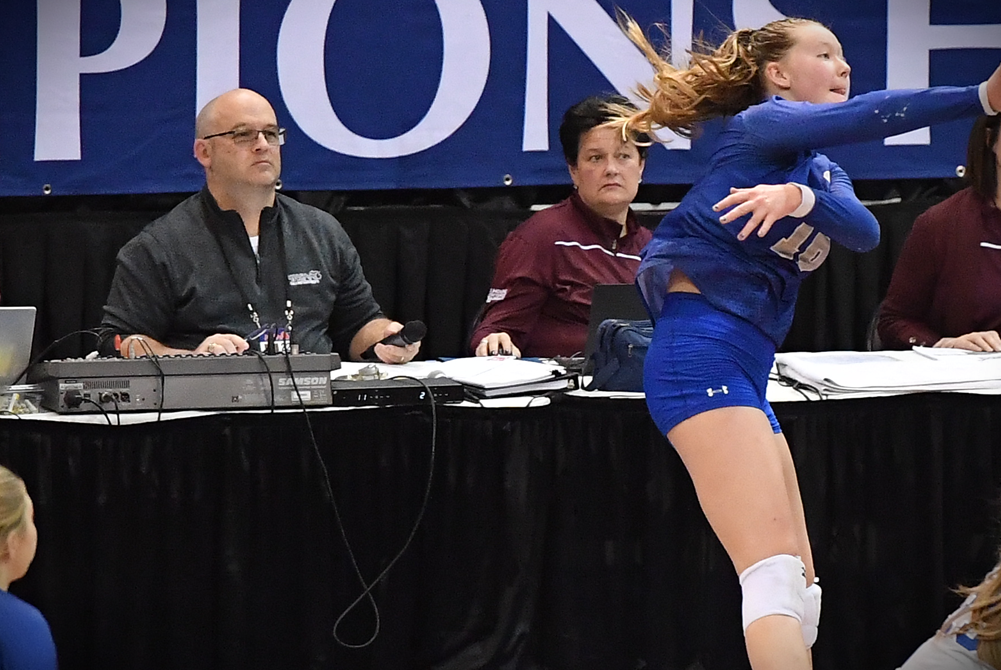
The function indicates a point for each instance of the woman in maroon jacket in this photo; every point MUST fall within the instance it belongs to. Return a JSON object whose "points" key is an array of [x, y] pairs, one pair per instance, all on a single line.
{"points": [[540, 297], [946, 286]]}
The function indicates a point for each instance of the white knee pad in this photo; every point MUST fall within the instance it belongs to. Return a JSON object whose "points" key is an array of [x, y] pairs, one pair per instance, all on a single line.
{"points": [[775, 585], [811, 613]]}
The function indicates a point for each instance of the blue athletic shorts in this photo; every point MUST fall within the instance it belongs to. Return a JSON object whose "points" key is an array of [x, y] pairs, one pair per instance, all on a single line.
{"points": [[702, 359]]}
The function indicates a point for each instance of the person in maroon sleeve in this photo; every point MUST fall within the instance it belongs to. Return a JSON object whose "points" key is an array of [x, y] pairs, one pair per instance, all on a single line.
{"points": [[540, 297], [946, 286]]}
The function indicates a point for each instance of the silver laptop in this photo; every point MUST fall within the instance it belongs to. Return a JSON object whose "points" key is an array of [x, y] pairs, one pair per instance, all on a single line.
{"points": [[17, 326]]}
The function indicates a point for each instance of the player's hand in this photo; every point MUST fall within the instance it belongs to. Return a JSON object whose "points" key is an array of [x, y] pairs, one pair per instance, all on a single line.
{"points": [[987, 340], [497, 344], [766, 203]]}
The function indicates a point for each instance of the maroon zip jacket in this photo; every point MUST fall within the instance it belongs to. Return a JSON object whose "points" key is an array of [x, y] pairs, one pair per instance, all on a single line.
{"points": [[947, 281], [541, 291]]}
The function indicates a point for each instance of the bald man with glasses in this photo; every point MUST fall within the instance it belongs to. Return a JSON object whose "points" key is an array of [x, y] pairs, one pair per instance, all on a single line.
{"points": [[238, 258]]}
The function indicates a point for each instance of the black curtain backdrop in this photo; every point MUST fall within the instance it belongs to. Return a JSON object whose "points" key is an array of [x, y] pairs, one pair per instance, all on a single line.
{"points": [[562, 537], [430, 262]]}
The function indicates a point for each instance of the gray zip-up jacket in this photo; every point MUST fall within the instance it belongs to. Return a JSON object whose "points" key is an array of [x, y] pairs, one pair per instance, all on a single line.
{"points": [[192, 272]]}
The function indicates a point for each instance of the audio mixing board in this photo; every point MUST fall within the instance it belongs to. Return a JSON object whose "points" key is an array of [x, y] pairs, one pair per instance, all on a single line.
{"points": [[185, 382]]}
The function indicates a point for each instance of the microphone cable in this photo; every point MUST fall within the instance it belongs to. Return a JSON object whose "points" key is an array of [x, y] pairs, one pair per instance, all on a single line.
{"points": [[367, 588]]}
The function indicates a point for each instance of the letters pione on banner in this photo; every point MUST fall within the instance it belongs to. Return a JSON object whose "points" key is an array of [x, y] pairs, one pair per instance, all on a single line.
{"points": [[382, 94]]}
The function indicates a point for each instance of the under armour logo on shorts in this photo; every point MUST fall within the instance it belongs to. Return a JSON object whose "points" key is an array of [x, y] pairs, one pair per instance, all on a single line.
{"points": [[712, 392]]}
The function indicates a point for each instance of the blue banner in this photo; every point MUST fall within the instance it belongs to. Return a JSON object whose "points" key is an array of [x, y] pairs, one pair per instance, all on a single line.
{"points": [[100, 96]]}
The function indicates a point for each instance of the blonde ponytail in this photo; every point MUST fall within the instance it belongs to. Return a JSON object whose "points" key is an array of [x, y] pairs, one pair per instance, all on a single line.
{"points": [[717, 82]]}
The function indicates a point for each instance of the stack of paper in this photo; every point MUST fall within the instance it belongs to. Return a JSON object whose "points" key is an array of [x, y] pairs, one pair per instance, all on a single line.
{"points": [[893, 372], [490, 376]]}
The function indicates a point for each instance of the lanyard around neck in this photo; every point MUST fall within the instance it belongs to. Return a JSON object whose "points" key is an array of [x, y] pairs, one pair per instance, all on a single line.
{"points": [[254, 315]]}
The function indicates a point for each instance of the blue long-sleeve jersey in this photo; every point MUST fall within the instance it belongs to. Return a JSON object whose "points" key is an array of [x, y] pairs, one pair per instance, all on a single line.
{"points": [[772, 143]]}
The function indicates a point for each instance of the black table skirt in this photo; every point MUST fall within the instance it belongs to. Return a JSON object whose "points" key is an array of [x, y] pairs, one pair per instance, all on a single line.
{"points": [[561, 537]]}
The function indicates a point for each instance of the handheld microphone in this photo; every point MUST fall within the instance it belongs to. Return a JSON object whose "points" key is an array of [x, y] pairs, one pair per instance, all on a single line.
{"points": [[412, 331]]}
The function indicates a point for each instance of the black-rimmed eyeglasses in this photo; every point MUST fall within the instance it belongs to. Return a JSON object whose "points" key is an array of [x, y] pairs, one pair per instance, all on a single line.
{"points": [[244, 136]]}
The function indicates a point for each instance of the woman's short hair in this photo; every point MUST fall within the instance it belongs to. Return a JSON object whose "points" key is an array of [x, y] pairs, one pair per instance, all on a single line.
{"points": [[981, 161], [590, 113], [13, 504]]}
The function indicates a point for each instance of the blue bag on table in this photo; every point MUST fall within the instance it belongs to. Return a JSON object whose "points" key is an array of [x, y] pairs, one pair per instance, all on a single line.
{"points": [[619, 354]]}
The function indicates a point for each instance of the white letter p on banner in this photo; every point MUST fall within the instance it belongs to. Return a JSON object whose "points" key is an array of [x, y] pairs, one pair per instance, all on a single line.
{"points": [[57, 102]]}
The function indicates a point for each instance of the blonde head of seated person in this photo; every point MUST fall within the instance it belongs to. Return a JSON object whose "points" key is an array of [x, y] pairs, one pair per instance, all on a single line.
{"points": [[25, 637], [18, 535]]}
